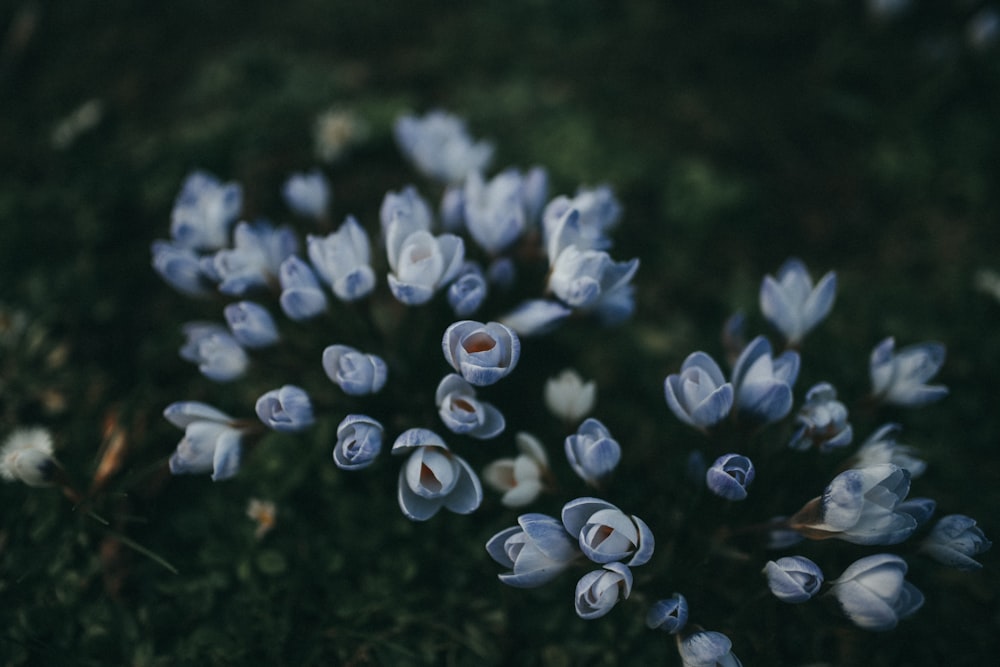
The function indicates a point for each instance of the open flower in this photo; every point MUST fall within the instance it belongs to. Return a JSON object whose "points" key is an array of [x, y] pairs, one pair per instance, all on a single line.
{"points": [[901, 377], [730, 476], [568, 397], [606, 533], [669, 615], [792, 304], [359, 441], [463, 413], [433, 477], [439, 145], [26, 456], [793, 579], [874, 595], [287, 409], [204, 210], [481, 353], [592, 453], [355, 372], [494, 211], [255, 259], [343, 260], [881, 447], [954, 540], [420, 262], [520, 479], [599, 212], [762, 383], [216, 351], [699, 395], [599, 591], [822, 421], [707, 648], [211, 443], [536, 550]]}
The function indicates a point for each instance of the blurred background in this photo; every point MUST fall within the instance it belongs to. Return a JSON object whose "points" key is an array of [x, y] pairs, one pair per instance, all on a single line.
{"points": [[861, 137]]}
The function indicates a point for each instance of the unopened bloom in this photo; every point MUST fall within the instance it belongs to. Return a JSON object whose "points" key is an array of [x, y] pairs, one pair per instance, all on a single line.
{"points": [[954, 540], [26, 456], [180, 267], [463, 413], [255, 259], [901, 377], [211, 443], [343, 260], [493, 211], [522, 478], [599, 591], [730, 476], [467, 292], [251, 324], [699, 395], [822, 421], [881, 447], [203, 211], [592, 453], [481, 353], [762, 383], [287, 409], [438, 144], [793, 579], [669, 615], [874, 595], [606, 533], [568, 397], [216, 351], [707, 648], [301, 296], [307, 194], [405, 208], [792, 304], [359, 441], [433, 477], [536, 550], [356, 373]]}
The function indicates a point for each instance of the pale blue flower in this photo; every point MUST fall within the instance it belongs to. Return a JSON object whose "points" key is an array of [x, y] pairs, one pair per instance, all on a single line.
{"points": [[463, 413], [356, 373], [286, 409], [438, 144], [707, 648], [873, 593], [699, 395], [481, 353], [211, 443], [730, 476], [954, 540], [255, 259], [301, 296], [406, 207], [669, 615], [822, 421], [468, 291], [599, 591], [307, 194], [522, 478], [598, 210], [452, 209], [900, 378], [881, 447], [536, 550], [343, 260], [592, 453], [607, 534], [433, 477], [359, 441], [218, 354], [762, 383], [420, 262], [251, 324], [568, 397], [535, 317], [180, 267], [203, 212], [921, 509], [793, 579], [791, 303], [494, 212]]}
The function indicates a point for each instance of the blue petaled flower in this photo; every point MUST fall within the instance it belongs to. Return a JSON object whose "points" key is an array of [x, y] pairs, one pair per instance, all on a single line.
{"points": [[706, 648], [255, 259], [822, 421], [307, 194], [467, 292], [433, 477], [180, 267], [356, 373], [217, 353], [359, 441], [463, 413], [301, 296], [420, 262], [536, 316], [954, 540], [407, 208], [211, 443], [730, 476], [203, 211], [536, 550], [793, 579], [343, 260], [598, 212], [599, 591], [792, 304], [606, 533], [520, 479], [669, 615], [881, 447], [481, 353], [494, 212], [901, 377], [592, 453], [699, 395], [762, 383], [287, 409], [251, 324], [873, 594], [439, 146]]}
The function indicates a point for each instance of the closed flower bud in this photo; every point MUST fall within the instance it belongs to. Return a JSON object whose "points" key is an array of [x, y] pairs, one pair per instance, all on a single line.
{"points": [[359, 441], [730, 476], [793, 579], [356, 373], [287, 409], [599, 591], [481, 353], [568, 397], [669, 615]]}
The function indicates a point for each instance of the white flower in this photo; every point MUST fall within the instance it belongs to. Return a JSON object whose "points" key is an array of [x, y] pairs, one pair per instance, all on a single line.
{"points": [[520, 479], [27, 456], [568, 397]]}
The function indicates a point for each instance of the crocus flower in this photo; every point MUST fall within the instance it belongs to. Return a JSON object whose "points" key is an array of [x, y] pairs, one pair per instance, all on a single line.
{"points": [[860, 506], [874, 595], [406, 208], [287, 409], [26, 456], [900, 378], [420, 262], [301, 296], [699, 395], [762, 383], [536, 550], [438, 144], [520, 479], [218, 354], [468, 290], [211, 440], [568, 397], [954, 540], [921, 509], [535, 317], [706, 648], [307, 194], [669, 615], [793, 579], [433, 477], [180, 267], [343, 260], [606, 533], [481, 353], [494, 213], [599, 212], [599, 591], [255, 259], [592, 453], [463, 413], [730, 476], [355, 372], [251, 324], [203, 211], [791, 303], [359, 441], [590, 280], [822, 421], [881, 447]]}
